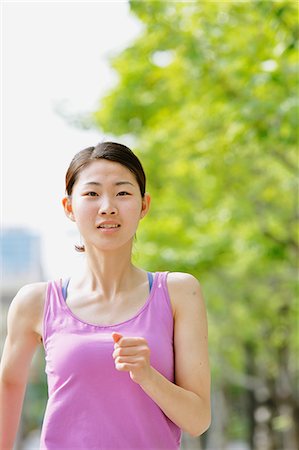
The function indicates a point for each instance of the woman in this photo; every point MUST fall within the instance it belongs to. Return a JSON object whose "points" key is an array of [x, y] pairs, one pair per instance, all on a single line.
{"points": [[126, 350]]}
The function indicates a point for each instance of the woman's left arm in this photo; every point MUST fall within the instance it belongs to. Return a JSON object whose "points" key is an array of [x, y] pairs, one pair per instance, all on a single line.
{"points": [[187, 402]]}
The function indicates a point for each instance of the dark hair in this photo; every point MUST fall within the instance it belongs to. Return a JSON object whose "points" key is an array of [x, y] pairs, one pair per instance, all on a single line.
{"points": [[110, 151]]}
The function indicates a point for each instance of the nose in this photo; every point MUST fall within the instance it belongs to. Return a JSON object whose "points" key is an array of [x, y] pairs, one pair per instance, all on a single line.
{"points": [[107, 207]]}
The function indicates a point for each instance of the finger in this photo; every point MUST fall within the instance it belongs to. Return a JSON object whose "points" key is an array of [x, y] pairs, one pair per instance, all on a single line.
{"points": [[127, 351], [125, 367], [131, 341], [128, 360], [116, 337], [138, 350]]}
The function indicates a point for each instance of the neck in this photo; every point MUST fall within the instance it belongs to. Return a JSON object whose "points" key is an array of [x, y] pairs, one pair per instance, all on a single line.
{"points": [[108, 272]]}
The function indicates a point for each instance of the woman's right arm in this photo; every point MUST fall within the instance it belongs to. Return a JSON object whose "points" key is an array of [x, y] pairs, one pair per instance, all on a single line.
{"points": [[24, 325]]}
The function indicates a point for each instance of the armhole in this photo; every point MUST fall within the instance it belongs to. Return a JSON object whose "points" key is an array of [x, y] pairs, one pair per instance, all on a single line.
{"points": [[45, 314]]}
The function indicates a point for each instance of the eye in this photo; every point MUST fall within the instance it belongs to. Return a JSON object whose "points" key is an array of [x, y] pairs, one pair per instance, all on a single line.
{"points": [[123, 193], [91, 194]]}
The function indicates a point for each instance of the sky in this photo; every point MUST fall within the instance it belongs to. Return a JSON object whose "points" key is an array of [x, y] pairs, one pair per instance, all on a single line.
{"points": [[55, 55]]}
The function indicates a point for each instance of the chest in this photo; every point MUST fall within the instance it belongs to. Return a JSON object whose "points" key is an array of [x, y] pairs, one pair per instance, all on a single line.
{"points": [[93, 308], [85, 352]]}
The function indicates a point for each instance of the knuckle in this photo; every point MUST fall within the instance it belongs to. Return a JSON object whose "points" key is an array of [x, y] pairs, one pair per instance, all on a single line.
{"points": [[145, 350], [115, 353]]}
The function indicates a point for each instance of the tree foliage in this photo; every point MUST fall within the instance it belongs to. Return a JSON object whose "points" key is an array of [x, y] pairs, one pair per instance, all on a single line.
{"points": [[208, 92]]}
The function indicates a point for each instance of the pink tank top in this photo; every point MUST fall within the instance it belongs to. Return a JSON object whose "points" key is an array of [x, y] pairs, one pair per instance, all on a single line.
{"points": [[92, 405]]}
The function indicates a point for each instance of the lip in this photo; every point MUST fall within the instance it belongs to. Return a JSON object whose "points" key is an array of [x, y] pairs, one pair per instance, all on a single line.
{"points": [[108, 222]]}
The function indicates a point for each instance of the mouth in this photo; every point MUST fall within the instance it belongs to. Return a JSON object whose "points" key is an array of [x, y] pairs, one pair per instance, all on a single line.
{"points": [[108, 226]]}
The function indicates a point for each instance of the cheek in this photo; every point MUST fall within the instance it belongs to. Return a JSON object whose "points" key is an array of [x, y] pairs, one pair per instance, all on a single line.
{"points": [[132, 211], [83, 210]]}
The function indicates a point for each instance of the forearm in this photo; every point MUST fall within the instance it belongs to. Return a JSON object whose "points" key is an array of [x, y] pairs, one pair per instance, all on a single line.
{"points": [[185, 408], [11, 400]]}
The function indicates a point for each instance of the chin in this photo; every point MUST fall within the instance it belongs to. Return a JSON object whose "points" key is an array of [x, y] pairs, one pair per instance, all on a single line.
{"points": [[111, 246]]}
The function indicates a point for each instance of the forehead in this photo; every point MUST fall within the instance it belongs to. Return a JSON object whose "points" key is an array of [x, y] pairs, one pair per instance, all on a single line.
{"points": [[103, 170]]}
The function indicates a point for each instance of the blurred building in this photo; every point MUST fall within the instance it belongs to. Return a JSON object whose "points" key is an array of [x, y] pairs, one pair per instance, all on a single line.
{"points": [[20, 254], [20, 263]]}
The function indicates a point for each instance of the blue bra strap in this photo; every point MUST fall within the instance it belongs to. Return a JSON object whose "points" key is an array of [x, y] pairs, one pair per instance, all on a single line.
{"points": [[150, 280], [65, 284]]}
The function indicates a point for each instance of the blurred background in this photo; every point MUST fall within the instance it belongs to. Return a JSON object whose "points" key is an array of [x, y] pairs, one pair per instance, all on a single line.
{"points": [[206, 94]]}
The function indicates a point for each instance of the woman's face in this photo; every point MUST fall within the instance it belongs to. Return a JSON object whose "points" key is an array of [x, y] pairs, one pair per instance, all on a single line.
{"points": [[106, 205]]}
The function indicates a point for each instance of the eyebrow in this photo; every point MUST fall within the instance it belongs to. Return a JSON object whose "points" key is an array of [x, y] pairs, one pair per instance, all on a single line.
{"points": [[118, 183]]}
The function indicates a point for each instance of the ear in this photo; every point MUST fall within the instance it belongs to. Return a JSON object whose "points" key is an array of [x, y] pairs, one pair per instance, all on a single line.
{"points": [[67, 206], [146, 201]]}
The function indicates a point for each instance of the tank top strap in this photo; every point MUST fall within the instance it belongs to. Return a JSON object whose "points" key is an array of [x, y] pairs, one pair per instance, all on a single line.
{"points": [[53, 306], [162, 280], [161, 287]]}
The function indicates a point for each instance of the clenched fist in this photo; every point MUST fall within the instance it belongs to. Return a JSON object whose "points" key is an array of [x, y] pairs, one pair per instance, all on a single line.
{"points": [[132, 354]]}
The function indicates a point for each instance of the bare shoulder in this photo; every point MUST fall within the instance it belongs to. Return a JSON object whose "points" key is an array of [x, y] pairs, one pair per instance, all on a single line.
{"points": [[184, 290], [29, 296], [27, 307], [182, 280]]}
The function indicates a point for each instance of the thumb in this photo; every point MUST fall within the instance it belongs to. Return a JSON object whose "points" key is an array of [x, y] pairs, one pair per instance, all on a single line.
{"points": [[116, 337]]}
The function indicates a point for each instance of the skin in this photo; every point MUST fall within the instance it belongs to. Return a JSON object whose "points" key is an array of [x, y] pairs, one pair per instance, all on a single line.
{"points": [[111, 290]]}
